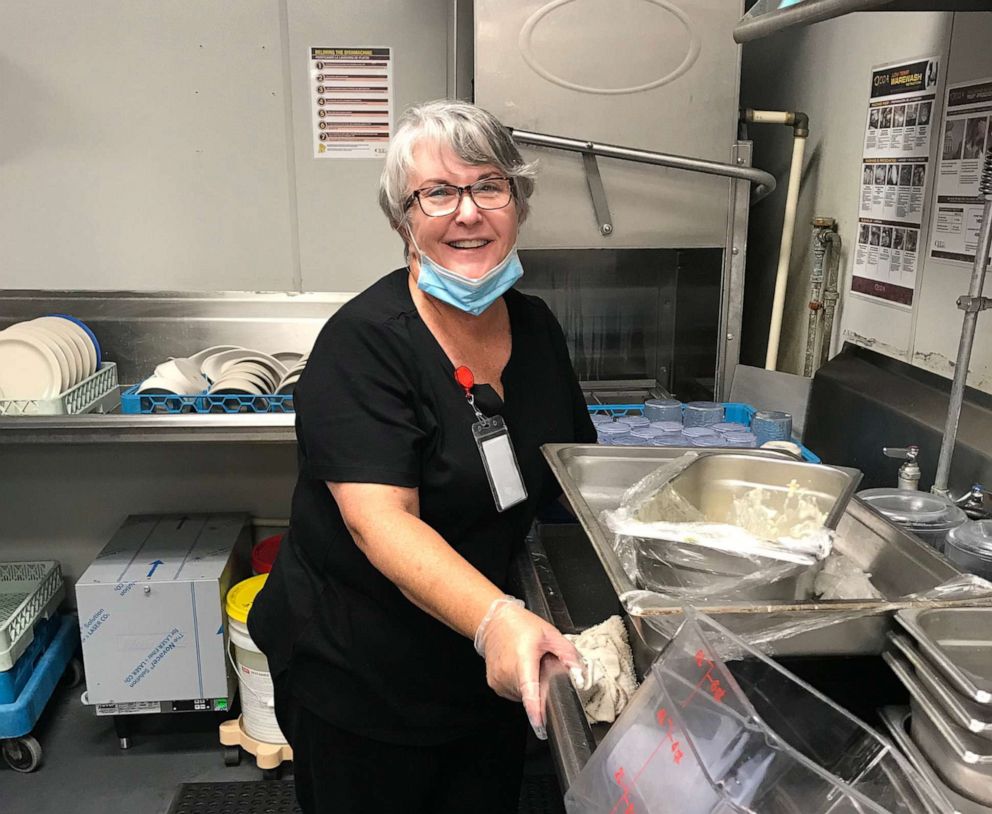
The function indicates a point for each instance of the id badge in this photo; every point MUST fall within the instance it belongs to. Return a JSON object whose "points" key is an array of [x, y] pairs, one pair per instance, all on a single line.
{"points": [[498, 459]]}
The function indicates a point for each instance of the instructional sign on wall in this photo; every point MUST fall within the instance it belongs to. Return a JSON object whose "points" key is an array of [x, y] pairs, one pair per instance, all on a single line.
{"points": [[894, 175], [351, 95], [964, 143]]}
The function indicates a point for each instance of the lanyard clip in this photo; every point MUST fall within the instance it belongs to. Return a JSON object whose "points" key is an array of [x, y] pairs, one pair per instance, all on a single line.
{"points": [[466, 380]]}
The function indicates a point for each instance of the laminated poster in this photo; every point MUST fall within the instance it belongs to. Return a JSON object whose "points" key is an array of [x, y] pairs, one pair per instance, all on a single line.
{"points": [[964, 142], [351, 99], [894, 176]]}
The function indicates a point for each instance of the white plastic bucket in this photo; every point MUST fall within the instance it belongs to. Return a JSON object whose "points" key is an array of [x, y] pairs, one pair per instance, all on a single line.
{"points": [[258, 717]]}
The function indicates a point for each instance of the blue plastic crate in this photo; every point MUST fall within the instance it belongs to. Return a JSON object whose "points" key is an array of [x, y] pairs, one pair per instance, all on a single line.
{"points": [[733, 411], [134, 403], [12, 681], [19, 718]]}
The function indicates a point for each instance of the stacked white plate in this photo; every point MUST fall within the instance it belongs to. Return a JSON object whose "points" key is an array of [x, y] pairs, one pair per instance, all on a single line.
{"points": [[227, 370], [43, 358]]}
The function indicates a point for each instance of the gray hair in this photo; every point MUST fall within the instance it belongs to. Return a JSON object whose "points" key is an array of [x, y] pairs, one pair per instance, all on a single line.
{"points": [[473, 134]]}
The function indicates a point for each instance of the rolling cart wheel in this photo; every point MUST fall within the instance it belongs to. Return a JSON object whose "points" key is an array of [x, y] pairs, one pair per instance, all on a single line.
{"points": [[232, 756], [22, 754], [73, 675], [271, 774]]}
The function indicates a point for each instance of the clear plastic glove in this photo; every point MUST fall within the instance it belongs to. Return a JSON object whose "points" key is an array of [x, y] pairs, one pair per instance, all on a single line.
{"points": [[513, 641]]}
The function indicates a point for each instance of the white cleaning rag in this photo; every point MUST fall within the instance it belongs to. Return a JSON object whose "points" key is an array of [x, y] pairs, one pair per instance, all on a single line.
{"points": [[610, 680]]}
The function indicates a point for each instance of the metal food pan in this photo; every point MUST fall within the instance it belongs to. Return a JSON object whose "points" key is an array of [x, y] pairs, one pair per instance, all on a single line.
{"points": [[963, 711], [712, 482], [961, 758], [594, 479], [958, 642], [896, 721]]}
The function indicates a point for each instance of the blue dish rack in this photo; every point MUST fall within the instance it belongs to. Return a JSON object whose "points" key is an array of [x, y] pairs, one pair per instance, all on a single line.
{"points": [[733, 411], [50, 655], [134, 403]]}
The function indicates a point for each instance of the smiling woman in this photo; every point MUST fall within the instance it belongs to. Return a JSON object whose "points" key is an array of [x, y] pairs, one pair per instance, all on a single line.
{"points": [[402, 532]]}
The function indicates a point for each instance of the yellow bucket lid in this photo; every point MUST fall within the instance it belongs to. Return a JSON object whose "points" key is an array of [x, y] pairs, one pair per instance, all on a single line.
{"points": [[242, 595]]}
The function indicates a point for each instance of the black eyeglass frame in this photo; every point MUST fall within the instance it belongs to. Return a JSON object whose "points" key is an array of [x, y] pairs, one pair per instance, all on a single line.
{"points": [[415, 196]]}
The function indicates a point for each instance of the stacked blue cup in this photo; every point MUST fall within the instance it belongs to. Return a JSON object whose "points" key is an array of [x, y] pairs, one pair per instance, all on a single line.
{"points": [[771, 425]]}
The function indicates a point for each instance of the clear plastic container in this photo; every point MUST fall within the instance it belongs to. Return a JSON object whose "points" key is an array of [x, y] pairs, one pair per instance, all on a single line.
{"points": [[699, 432], [646, 432], [930, 517], [717, 727], [663, 410], [668, 426], [744, 440], [671, 439], [607, 434], [631, 440], [635, 420], [702, 413], [725, 427], [601, 418], [771, 425], [969, 546]]}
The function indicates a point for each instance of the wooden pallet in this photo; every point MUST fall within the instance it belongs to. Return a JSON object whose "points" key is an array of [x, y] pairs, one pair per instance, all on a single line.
{"points": [[267, 755]]}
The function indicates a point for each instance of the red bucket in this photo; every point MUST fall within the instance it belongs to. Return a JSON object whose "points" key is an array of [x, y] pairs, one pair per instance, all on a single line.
{"points": [[264, 554]]}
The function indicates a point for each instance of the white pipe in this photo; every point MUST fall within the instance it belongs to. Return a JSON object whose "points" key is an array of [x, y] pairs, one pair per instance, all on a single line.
{"points": [[771, 117], [785, 252]]}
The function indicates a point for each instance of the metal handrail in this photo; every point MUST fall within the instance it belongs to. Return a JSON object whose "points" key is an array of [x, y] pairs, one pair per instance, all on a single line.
{"points": [[763, 182]]}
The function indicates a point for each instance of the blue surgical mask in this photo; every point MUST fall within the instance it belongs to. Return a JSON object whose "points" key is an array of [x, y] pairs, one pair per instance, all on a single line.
{"points": [[473, 296]]}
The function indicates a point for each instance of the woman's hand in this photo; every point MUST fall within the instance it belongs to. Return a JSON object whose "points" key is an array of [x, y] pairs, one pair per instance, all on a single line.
{"points": [[513, 641]]}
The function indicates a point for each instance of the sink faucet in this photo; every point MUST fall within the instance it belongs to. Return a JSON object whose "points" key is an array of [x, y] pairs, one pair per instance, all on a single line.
{"points": [[973, 502], [909, 472]]}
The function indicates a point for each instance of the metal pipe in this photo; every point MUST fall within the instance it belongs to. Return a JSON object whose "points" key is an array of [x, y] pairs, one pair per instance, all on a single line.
{"points": [[970, 322], [815, 299], [812, 11], [764, 182], [830, 297], [785, 251]]}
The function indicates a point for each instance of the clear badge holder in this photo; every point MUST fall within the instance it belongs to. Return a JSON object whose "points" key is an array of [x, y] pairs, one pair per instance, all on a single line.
{"points": [[498, 458], [500, 462]]}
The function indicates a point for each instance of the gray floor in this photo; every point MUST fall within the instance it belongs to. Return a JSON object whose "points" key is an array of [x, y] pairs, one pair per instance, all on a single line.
{"points": [[85, 772]]}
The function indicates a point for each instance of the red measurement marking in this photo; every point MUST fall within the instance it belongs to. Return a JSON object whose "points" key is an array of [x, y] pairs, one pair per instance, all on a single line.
{"points": [[715, 689], [675, 747], [625, 797]]}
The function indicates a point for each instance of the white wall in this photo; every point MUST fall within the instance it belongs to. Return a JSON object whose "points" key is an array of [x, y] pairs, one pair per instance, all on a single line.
{"points": [[824, 70], [166, 146]]}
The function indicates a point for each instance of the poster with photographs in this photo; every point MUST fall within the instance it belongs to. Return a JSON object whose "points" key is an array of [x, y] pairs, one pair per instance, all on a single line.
{"points": [[901, 110], [351, 101], [895, 170], [886, 260], [965, 140], [893, 189]]}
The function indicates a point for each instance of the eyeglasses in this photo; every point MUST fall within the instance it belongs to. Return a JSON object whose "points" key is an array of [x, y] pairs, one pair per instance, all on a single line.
{"points": [[441, 200]]}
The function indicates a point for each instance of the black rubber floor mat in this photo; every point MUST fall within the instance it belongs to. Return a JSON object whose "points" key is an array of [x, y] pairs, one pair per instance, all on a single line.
{"points": [[539, 795], [246, 797]]}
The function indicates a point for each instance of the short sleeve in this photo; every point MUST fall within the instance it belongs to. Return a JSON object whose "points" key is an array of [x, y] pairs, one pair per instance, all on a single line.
{"points": [[356, 406]]}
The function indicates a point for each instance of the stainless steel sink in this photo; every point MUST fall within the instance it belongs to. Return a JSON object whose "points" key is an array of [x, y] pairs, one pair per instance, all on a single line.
{"points": [[594, 478]]}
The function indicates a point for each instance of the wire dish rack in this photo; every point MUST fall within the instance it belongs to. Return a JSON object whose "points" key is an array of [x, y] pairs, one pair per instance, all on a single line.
{"points": [[94, 394], [29, 591]]}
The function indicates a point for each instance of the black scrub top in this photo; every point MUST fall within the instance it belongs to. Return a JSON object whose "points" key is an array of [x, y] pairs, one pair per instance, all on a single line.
{"points": [[378, 403]]}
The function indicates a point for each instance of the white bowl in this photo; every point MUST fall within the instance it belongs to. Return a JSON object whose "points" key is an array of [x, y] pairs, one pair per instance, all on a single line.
{"points": [[213, 366], [183, 374], [235, 387], [157, 386]]}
